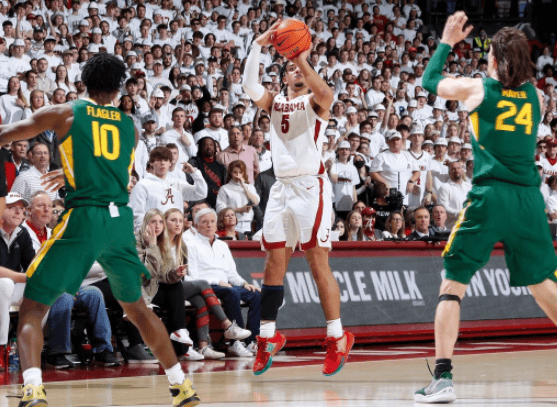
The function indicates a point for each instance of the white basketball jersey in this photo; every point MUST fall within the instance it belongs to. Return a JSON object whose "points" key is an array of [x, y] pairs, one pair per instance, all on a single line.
{"points": [[297, 135]]}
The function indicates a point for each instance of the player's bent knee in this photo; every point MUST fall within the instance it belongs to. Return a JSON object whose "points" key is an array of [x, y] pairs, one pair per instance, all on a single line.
{"points": [[271, 301]]}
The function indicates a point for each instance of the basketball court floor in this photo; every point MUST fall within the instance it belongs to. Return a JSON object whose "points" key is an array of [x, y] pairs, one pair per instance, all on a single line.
{"points": [[500, 372]]}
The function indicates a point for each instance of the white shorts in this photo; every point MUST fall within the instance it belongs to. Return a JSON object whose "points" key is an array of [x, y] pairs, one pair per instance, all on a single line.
{"points": [[299, 210]]}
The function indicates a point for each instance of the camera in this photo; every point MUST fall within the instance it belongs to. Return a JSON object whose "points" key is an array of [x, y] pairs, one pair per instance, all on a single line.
{"points": [[395, 197]]}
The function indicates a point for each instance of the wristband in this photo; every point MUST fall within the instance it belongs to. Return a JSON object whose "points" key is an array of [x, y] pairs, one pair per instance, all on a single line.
{"points": [[433, 73]]}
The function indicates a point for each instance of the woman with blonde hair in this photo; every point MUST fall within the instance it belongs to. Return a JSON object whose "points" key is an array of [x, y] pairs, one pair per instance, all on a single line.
{"points": [[394, 226], [199, 293], [36, 101], [164, 288]]}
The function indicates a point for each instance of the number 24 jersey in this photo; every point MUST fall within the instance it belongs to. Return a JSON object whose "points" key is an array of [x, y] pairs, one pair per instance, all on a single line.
{"points": [[505, 129]]}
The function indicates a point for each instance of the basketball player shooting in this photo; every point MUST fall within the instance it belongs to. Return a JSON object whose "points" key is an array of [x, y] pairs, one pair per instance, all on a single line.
{"points": [[505, 203], [96, 142], [300, 202]]}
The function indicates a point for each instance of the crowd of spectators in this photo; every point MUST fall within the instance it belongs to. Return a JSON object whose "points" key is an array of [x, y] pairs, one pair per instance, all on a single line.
{"points": [[400, 159]]}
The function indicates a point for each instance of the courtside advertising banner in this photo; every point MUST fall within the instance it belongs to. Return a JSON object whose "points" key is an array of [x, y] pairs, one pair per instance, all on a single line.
{"points": [[392, 290]]}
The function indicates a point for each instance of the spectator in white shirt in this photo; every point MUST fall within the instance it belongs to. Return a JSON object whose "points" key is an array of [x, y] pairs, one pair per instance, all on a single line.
{"points": [[439, 165], [29, 182], [395, 167], [156, 190], [239, 195], [215, 129], [344, 178], [177, 135], [452, 195], [374, 96], [210, 259]]}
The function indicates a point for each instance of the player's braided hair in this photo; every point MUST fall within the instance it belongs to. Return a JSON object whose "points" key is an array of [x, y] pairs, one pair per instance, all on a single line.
{"points": [[103, 72], [283, 73]]}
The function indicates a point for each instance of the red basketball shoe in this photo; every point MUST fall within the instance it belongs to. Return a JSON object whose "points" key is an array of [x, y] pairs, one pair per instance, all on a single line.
{"points": [[335, 359], [266, 349]]}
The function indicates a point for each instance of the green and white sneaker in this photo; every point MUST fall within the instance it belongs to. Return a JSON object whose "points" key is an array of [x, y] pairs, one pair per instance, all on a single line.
{"points": [[439, 391]]}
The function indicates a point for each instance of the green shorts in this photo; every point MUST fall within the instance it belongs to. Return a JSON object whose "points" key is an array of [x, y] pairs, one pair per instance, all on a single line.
{"points": [[511, 214], [85, 235]]}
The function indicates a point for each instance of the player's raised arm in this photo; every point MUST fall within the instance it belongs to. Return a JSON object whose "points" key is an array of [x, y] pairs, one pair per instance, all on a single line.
{"points": [[261, 96], [323, 94], [57, 118], [433, 80]]}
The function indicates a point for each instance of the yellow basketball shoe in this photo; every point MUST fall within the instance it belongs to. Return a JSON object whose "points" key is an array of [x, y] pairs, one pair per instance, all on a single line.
{"points": [[33, 396], [184, 395]]}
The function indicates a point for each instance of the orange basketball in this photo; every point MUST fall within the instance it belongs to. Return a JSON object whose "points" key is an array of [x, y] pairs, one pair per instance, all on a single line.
{"points": [[291, 38]]}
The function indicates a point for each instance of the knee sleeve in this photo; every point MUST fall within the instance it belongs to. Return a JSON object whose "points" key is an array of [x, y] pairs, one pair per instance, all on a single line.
{"points": [[271, 300], [449, 297]]}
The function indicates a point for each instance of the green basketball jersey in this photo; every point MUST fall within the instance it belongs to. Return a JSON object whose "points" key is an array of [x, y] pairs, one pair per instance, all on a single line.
{"points": [[97, 155], [506, 126]]}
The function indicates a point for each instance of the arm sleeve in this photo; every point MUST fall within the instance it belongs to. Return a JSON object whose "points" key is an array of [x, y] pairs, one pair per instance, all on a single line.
{"points": [[433, 73], [251, 74]]}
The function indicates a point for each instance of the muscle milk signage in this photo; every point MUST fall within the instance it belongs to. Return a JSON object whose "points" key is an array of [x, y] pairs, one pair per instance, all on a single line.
{"points": [[393, 290]]}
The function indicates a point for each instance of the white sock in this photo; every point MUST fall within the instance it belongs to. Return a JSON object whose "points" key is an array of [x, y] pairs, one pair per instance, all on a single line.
{"points": [[334, 328], [267, 329], [175, 374], [33, 376]]}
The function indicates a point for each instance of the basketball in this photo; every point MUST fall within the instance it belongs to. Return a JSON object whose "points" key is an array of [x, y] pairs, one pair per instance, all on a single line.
{"points": [[291, 38]]}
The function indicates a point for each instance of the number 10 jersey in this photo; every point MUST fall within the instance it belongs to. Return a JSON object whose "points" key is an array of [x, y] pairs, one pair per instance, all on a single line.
{"points": [[505, 127], [97, 155], [297, 135]]}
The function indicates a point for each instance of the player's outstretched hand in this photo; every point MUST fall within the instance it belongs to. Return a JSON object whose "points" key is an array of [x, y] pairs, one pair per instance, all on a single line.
{"points": [[54, 180], [455, 30], [267, 37]]}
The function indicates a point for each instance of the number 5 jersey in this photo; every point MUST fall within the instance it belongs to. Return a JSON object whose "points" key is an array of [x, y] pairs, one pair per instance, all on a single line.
{"points": [[297, 135]]}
